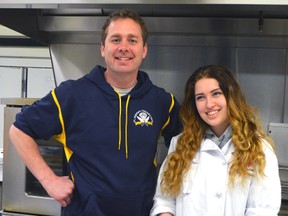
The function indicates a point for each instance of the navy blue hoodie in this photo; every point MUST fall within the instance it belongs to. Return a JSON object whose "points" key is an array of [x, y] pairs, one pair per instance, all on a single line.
{"points": [[110, 141]]}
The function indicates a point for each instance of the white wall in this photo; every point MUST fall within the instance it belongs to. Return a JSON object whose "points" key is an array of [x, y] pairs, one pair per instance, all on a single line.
{"points": [[12, 61]]}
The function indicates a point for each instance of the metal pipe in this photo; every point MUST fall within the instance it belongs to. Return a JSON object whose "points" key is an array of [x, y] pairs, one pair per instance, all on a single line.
{"points": [[24, 83]]}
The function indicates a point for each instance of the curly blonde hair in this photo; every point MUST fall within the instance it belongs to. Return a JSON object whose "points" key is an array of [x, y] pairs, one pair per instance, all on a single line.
{"points": [[246, 132]]}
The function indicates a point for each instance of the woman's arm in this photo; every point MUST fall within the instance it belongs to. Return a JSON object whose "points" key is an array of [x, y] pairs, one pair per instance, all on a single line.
{"points": [[163, 205]]}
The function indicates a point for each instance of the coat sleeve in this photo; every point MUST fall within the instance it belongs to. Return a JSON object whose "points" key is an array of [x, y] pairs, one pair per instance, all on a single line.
{"points": [[265, 193], [163, 203]]}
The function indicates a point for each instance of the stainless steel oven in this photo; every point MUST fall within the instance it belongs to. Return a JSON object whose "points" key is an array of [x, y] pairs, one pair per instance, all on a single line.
{"points": [[22, 193], [279, 134]]}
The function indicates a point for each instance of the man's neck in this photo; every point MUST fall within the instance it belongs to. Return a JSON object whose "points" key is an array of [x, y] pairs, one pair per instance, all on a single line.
{"points": [[121, 81]]}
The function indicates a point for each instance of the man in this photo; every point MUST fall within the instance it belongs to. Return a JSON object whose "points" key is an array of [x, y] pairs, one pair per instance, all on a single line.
{"points": [[109, 122]]}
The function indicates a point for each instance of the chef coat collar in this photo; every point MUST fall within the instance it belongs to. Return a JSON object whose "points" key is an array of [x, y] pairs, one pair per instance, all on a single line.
{"points": [[224, 138]]}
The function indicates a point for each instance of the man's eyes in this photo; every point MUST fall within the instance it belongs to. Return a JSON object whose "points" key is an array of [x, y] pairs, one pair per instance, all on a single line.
{"points": [[131, 41]]}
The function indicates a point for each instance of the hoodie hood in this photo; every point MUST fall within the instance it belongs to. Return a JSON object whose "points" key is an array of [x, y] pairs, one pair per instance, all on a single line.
{"points": [[143, 85]]}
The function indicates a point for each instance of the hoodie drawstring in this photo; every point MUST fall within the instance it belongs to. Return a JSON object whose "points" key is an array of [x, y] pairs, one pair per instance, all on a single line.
{"points": [[126, 124], [126, 127], [119, 120]]}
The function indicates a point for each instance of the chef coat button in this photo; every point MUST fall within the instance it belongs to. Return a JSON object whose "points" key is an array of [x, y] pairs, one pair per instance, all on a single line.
{"points": [[194, 161], [219, 195]]}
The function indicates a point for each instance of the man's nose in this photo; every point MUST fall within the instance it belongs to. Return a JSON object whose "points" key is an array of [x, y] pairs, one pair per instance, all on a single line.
{"points": [[123, 46]]}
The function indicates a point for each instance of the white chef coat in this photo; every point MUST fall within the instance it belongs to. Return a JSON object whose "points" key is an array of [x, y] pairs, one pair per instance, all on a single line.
{"points": [[206, 192]]}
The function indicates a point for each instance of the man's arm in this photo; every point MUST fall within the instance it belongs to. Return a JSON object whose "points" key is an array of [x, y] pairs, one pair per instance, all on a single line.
{"points": [[59, 188]]}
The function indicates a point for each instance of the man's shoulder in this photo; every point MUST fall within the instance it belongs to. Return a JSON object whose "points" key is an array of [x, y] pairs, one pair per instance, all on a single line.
{"points": [[162, 92]]}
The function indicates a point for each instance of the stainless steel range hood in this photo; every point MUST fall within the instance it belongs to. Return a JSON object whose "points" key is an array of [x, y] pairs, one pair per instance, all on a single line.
{"points": [[45, 20]]}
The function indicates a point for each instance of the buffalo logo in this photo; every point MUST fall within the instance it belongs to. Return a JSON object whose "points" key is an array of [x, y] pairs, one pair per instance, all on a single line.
{"points": [[142, 118]]}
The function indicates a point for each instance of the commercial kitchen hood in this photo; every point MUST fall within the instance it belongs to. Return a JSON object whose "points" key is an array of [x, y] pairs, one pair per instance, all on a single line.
{"points": [[52, 21]]}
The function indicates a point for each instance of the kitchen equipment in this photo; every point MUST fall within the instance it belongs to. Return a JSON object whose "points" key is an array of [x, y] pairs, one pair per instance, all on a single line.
{"points": [[279, 134], [22, 192]]}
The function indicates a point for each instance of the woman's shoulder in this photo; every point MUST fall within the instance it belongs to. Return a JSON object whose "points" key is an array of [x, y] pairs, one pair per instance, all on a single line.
{"points": [[268, 150], [267, 146], [173, 143]]}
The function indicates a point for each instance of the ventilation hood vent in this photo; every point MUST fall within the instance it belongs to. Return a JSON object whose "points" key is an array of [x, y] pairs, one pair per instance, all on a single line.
{"points": [[53, 21]]}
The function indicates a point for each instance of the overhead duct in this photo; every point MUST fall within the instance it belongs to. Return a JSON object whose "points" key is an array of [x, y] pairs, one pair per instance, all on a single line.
{"points": [[44, 21]]}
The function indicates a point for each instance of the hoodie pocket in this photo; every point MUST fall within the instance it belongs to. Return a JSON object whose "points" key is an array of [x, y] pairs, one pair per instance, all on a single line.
{"points": [[104, 204]]}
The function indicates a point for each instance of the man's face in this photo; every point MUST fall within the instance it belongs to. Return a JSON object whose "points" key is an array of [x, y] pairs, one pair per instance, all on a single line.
{"points": [[124, 48]]}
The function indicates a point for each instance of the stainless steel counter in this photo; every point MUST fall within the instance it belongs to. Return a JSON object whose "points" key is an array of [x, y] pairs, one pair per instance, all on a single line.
{"points": [[17, 101]]}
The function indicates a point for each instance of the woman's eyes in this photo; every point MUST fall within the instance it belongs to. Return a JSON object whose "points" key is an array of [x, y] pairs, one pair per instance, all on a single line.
{"points": [[200, 97], [214, 94]]}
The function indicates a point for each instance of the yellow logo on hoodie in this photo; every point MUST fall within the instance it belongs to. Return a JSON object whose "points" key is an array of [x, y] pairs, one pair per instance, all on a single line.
{"points": [[142, 117]]}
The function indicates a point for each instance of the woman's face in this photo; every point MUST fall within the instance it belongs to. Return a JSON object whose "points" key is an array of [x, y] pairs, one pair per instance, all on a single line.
{"points": [[211, 104]]}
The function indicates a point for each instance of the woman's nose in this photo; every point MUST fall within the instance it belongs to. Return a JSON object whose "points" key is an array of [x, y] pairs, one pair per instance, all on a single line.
{"points": [[210, 102]]}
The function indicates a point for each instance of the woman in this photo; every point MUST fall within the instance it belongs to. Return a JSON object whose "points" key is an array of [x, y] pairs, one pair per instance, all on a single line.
{"points": [[222, 164]]}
